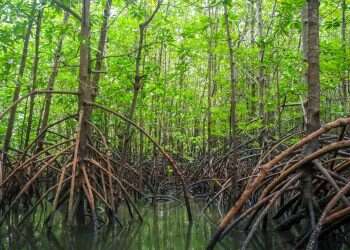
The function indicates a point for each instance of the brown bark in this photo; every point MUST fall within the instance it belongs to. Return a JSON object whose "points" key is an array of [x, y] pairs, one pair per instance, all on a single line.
{"points": [[212, 30], [101, 46], [34, 75], [313, 72], [252, 42], [86, 90], [313, 104], [344, 48], [279, 108], [233, 120], [253, 183], [209, 101], [50, 85], [261, 73], [16, 95], [138, 78], [233, 78], [22, 65], [160, 148], [86, 94]]}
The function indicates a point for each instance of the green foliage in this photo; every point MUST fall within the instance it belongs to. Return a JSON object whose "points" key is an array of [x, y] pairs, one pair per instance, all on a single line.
{"points": [[173, 103]]}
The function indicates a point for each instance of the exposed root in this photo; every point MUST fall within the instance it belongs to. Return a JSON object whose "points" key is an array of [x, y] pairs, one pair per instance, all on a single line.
{"points": [[330, 184]]}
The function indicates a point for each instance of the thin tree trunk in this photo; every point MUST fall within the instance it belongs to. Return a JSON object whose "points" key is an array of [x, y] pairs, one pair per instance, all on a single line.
{"points": [[261, 74], [233, 120], [138, 79], [279, 108], [233, 78], [313, 72], [101, 46], [34, 76], [344, 73], [50, 85], [12, 116], [22, 65], [210, 83], [252, 42]]}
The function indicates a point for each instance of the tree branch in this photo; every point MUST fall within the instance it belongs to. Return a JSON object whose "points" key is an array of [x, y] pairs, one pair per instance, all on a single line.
{"points": [[66, 8]]}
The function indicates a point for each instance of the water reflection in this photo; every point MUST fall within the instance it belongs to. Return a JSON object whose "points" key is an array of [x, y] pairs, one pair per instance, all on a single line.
{"points": [[165, 227]]}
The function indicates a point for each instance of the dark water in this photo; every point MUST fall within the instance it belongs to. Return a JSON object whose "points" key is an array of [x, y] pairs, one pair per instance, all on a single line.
{"points": [[165, 227]]}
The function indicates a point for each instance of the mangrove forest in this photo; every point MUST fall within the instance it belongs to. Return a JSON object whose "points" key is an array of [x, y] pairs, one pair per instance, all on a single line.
{"points": [[175, 124]]}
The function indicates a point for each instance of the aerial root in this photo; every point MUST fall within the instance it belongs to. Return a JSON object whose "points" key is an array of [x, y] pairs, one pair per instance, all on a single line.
{"points": [[95, 177], [271, 184], [73, 185]]}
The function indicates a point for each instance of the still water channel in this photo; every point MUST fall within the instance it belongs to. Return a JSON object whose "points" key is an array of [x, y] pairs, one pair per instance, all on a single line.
{"points": [[165, 227]]}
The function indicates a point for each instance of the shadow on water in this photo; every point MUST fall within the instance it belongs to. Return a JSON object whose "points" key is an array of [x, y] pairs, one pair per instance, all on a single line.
{"points": [[165, 227]]}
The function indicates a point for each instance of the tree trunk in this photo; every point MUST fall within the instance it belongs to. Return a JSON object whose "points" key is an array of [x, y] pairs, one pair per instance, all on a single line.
{"points": [[252, 42], [233, 120], [344, 68], [279, 108], [86, 89], [261, 73], [101, 46], [86, 94], [34, 76], [50, 86], [12, 116], [313, 103], [313, 72], [22, 65], [137, 80], [233, 78], [211, 67]]}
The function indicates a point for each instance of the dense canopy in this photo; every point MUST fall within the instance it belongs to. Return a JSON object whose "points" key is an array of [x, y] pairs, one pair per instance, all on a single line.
{"points": [[103, 102]]}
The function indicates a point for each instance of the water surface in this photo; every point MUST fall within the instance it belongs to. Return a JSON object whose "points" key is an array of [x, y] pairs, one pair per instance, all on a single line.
{"points": [[165, 227]]}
